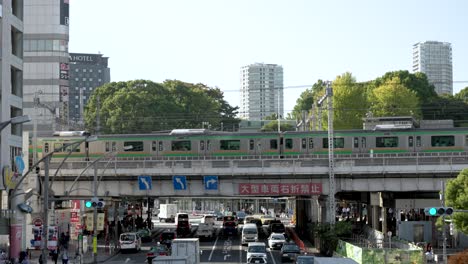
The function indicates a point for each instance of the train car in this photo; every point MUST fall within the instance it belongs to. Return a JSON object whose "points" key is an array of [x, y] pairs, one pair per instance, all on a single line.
{"points": [[204, 143]]}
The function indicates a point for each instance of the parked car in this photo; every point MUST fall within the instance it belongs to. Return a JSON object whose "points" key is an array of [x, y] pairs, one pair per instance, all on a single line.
{"points": [[145, 235], [276, 240], [166, 238], [158, 250], [130, 241], [289, 252]]}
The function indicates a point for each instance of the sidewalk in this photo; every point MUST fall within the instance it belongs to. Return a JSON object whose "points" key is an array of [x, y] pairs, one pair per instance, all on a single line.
{"points": [[103, 254]]}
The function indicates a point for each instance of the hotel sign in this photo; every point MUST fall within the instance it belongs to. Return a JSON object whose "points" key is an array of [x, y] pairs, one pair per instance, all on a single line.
{"points": [[280, 188]]}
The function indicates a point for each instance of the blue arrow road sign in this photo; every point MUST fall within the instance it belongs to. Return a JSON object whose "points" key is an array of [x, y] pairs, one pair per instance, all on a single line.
{"points": [[210, 182], [144, 182], [179, 182]]}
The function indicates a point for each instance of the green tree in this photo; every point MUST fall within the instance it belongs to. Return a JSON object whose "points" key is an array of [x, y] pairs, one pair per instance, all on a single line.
{"points": [[447, 107], [393, 99], [307, 98], [462, 95], [349, 102], [416, 82], [273, 126], [143, 106], [457, 197]]}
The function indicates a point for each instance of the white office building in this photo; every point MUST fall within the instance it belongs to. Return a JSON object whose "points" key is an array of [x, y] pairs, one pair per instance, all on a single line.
{"points": [[435, 60], [261, 91]]}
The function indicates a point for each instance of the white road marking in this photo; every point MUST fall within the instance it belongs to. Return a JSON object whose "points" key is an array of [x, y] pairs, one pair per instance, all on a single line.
{"points": [[271, 255], [213, 249]]}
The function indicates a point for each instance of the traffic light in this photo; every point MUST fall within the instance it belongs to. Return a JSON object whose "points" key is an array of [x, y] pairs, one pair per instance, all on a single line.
{"points": [[95, 202], [438, 211]]}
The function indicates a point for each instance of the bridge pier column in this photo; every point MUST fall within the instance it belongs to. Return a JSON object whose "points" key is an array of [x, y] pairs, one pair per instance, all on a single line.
{"points": [[375, 217], [384, 220], [315, 209]]}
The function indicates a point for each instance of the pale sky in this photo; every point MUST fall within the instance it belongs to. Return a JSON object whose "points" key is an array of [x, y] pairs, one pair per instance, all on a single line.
{"points": [[208, 41]]}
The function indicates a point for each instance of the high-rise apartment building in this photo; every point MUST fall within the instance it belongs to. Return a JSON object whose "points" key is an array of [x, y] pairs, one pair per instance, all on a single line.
{"points": [[87, 71], [11, 80], [261, 91], [435, 60], [46, 66]]}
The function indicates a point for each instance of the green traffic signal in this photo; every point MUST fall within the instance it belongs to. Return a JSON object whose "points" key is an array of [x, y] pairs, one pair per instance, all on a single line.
{"points": [[88, 204], [433, 211]]}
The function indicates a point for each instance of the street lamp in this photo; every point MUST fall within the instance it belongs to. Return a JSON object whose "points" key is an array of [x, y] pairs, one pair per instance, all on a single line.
{"points": [[46, 160], [15, 120], [96, 182]]}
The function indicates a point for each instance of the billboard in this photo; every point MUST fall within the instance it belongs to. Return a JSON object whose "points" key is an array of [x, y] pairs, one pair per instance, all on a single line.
{"points": [[64, 12]]}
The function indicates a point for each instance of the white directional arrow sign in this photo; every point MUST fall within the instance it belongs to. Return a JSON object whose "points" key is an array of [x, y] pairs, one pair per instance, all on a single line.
{"points": [[179, 182], [211, 182]]}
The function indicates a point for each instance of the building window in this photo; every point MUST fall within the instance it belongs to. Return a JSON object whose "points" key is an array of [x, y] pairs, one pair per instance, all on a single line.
{"points": [[84, 70]]}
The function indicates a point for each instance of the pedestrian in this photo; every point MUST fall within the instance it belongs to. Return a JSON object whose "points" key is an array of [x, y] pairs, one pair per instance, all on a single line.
{"points": [[429, 254], [40, 260], [55, 255], [65, 257], [23, 258]]}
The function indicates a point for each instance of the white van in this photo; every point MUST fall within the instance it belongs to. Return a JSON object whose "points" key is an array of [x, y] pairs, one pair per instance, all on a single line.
{"points": [[208, 219], [256, 250], [249, 233]]}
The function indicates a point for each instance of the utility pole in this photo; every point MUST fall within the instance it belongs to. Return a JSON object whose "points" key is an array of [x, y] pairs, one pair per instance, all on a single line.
{"points": [[45, 229], [444, 235], [331, 155], [98, 118], [95, 215]]}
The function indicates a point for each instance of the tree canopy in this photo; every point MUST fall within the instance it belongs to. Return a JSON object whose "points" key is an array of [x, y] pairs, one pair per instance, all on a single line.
{"points": [[392, 98], [142, 106], [456, 196], [349, 102], [416, 82]]}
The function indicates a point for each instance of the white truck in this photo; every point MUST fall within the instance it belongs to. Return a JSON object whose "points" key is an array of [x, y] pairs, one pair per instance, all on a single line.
{"points": [[183, 251], [167, 212], [205, 230]]}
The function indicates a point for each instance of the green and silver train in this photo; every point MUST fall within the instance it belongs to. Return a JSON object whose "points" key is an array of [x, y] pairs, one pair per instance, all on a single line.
{"points": [[205, 143]]}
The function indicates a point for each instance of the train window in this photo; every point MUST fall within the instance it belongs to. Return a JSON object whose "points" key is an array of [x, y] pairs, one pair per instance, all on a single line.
{"points": [[418, 141], [58, 147], [311, 143], [304, 143], [356, 142], [363, 142], [337, 142], [251, 144], [202, 145], [72, 148], [410, 141], [289, 143], [46, 147], [386, 142], [107, 146], [443, 141], [136, 145], [229, 144], [114, 146], [273, 144], [184, 145], [153, 146], [161, 147]]}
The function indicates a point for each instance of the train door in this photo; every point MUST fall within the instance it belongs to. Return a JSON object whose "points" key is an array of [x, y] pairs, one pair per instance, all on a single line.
{"points": [[255, 146], [416, 144], [204, 147], [359, 144]]}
